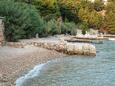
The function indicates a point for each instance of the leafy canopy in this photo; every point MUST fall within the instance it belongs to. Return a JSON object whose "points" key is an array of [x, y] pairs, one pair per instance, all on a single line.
{"points": [[21, 20]]}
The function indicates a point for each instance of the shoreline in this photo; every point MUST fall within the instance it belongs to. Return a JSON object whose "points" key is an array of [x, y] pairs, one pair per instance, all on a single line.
{"points": [[16, 62]]}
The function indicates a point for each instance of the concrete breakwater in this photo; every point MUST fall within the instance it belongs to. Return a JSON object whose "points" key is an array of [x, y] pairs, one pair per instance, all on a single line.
{"points": [[58, 45], [95, 39], [90, 37], [84, 41], [109, 36]]}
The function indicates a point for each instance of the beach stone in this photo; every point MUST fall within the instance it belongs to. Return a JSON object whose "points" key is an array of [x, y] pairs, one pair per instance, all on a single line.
{"points": [[3, 78], [29, 46]]}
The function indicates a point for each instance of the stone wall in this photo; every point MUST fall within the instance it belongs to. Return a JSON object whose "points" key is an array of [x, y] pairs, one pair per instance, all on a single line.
{"points": [[1, 32]]}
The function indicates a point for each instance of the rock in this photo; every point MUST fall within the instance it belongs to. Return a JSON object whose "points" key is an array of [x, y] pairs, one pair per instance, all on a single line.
{"points": [[70, 48], [92, 50], [86, 49], [29, 46], [3, 78], [78, 50]]}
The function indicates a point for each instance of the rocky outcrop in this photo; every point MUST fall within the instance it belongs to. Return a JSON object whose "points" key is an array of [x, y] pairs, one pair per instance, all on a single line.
{"points": [[60, 46]]}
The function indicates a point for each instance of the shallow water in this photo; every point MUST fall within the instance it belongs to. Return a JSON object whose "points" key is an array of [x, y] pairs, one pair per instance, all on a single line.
{"points": [[76, 70]]}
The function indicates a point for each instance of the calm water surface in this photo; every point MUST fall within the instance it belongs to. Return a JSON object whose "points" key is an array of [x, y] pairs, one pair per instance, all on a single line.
{"points": [[76, 70]]}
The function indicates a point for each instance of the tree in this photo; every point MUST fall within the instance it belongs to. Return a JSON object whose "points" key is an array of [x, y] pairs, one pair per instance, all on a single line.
{"points": [[84, 27], [69, 28], [48, 8], [21, 20], [53, 27], [92, 18], [26, 1], [110, 17], [69, 10], [98, 5], [86, 4]]}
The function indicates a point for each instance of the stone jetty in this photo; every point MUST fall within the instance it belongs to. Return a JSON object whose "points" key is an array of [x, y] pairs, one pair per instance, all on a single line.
{"points": [[109, 36], [90, 37], [84, 41], [95, 39], [57, 44]]}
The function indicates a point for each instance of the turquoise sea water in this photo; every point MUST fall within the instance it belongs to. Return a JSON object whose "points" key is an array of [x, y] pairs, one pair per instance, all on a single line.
{"points": [[75, 70]]}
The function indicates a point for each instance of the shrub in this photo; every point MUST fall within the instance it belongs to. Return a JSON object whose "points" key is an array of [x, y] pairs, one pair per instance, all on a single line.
{"points": [[53, 27], [69, 28], [21, 20], [84, 27]]}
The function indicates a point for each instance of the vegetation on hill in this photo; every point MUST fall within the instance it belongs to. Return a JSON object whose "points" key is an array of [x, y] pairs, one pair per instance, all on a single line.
{"points": [[110, 17], [26, 18]]}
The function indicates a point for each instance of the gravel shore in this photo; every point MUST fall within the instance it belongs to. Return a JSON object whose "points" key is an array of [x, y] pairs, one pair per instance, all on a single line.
{"points": [[16, 61]]}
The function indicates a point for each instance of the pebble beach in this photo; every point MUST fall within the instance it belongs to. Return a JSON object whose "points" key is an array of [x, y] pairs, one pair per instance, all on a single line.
{"points": [[16, 61]]}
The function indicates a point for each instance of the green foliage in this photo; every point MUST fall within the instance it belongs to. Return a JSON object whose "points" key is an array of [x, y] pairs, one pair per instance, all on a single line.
{"points": [[21, 20], [92, 18], [86, 4], [48, 8], [84, 27], [25, 1], [53, 27], [110, 7], [69, 10], [110, 17], [69, 28], [98, 5], [111, 1]]}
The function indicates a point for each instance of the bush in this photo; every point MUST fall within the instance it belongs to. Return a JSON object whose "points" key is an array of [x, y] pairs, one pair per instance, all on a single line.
{"points": [[53, 27], [69, 28], [21, 20], [84, 27]]}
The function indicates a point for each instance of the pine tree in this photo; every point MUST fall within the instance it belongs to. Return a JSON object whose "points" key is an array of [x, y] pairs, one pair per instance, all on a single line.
{"points": [[21, 20]]}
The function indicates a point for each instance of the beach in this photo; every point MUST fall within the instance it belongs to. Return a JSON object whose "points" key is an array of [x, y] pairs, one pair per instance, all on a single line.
{"points": [[15, 62]]}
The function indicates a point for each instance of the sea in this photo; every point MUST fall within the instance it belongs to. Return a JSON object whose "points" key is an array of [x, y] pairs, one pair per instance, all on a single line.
{"points": [[75, 70]]}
